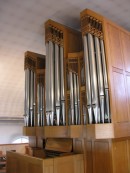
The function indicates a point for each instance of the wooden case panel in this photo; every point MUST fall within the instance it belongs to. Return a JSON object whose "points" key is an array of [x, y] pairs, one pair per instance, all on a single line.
{"points": [[56, 131], [48, 166], [69, 164], [74, 38], [128, 93], [125, 44], [29, 131], [115, 46], [116, 39], [120, 97], [120, 157], [89, 156], [101, 157], [128, 153]]}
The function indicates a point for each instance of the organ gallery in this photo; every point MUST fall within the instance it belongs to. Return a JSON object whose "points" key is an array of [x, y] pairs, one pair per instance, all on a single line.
{"points": [[77, 100]]}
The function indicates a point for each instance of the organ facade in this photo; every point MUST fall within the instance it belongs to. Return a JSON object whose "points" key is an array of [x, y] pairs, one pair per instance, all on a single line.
{"points": [[80, 105]]}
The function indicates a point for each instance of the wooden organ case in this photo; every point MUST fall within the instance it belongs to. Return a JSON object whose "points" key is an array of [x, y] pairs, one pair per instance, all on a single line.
{"points": [[92, 106], [107, 138], [34, 66]]}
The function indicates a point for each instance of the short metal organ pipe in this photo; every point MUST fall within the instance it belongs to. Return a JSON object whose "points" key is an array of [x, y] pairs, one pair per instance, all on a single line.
{"points": [[41, 105], [38, 105], [74, 99]]}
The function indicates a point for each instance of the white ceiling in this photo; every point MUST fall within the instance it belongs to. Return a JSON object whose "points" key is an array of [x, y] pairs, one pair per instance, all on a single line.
{"points": [[22, 29]]}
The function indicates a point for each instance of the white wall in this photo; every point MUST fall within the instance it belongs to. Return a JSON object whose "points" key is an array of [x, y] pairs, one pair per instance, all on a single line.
{"points": [[10, 130]]}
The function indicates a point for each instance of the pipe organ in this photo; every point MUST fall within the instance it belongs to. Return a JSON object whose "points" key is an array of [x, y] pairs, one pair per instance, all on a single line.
{"points": [[82, 96], [95, 70], [34, 89], [59, 41], [76, 88]]}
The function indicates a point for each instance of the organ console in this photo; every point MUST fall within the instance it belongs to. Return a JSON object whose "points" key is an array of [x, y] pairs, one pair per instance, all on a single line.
{"points": [[81, 95]]}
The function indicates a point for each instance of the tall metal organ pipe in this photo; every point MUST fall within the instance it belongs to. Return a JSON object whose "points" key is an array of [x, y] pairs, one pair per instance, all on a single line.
{"points": [[95, 102], [47, 79], [75, 98], [62, 85], [72, 99], [40, 104], [107, 104], [100, 79], [34, 97], [78, 98], [88, 85], [31, 98], [52, 85], [57, 85]]}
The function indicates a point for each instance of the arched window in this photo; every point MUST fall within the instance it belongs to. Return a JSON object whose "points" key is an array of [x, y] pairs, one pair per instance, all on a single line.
{"points": [[21, 139]]}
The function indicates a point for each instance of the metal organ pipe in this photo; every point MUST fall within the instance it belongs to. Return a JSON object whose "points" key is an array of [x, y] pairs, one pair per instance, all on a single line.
{"points": [[43, 106], [75, 98], [95, 103], [72, 98], [78, 98], [34, 98], [38, 106], [88, 84], [50, 83], [47, 77], [29, 97], [107, 106], [62, 84], [100, 79], [57, 84], [52, 98], [26, 99]]}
